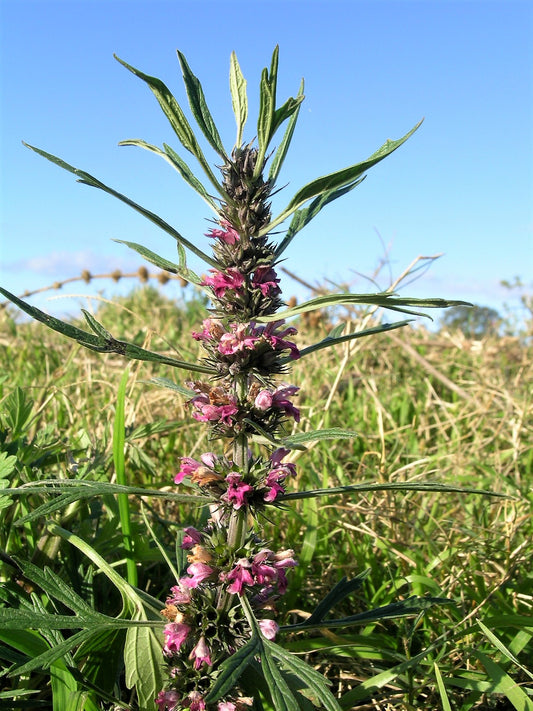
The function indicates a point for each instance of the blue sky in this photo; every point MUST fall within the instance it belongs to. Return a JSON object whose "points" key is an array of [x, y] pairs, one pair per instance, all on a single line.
{"points": [[462, 185]]}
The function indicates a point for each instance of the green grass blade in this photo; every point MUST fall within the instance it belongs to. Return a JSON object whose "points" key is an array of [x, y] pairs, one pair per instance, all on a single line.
{"points": [[119, 436], [502, 648], [503, 684], [442, 689]]}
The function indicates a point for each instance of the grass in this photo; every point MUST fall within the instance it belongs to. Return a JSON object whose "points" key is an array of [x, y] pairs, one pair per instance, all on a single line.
{"points": [[427, 406]]}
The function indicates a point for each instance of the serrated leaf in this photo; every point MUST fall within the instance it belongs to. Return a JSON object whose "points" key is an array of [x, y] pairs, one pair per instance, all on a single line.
{"points": [[16, 410], [162, 263], [144, 663], [176, 117], [317, 435], [395, 486], [171, 385], [101, 343], [173, 159], [199, 107], [303, 217], [7, 464], [239, 99], [341, 590], [330, 340], [283, 147], [87, 179], [384, 300], [339, 179], [232, 668], [402, 608]]}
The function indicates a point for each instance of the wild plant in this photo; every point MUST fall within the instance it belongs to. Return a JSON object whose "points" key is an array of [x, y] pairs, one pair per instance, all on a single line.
{"points": [[217, 644]]}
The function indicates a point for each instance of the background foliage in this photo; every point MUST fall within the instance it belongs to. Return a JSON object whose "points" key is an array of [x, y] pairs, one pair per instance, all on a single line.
{"points": [[427, 406]]}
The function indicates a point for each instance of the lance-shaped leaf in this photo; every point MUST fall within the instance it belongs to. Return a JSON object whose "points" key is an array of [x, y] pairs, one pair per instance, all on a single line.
{"points": [[283, 147], [330, 340], [199, 107], [87, 179], [239, 99], [341, 590], [67, 491], [173, 159], [384, 300], [339, 179], [297, 440], [303, 217], [176, 117], [101, 341], [402, 608], [434, 486], [163, 263]]}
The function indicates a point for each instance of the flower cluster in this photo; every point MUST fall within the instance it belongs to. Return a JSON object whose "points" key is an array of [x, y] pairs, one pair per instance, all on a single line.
{"points": [[263, 481], [227, 560], [201, 633]]}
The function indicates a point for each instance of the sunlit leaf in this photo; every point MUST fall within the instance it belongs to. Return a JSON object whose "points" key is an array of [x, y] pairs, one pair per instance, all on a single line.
{"points": [[239, 98]]}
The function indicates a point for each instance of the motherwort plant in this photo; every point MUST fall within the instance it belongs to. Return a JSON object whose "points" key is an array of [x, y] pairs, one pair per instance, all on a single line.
{"points": [[221, 641]]}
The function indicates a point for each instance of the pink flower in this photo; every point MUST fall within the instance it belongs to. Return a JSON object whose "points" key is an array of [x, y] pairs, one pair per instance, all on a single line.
{"points": [[187, 466], [239, 704], [237, 490], [167, 700], [279, 399], [206, 412], [277, 340], [220, 282], [264, 400], [191, 538], [240, 576], [228, 235], [198, 572], [236, 340], [265, 278], [180, 595], [200, 654], [269, 628], [196, 702], [272, 483], [175, 635]]}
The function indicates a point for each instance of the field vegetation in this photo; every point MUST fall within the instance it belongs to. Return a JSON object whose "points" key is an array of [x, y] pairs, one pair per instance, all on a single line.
{"points": [[428, 407]]}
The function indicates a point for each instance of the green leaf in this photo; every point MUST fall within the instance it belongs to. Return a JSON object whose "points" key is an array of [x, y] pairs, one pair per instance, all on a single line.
{"points": [[384, 300], [101, 343], [503, 684], [239, 99], [341, 590], [171, 385], [283, 147], [303, 217], [178, 164], [267, 101], [403, 608], [395, 486], [317, 435], [442, 689], [339, 179], [87, 179], [176, 117], [199, 107], [330, 340], [502, 648], [163, 263], [144, 663], [16, 410], [232, 668]]}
